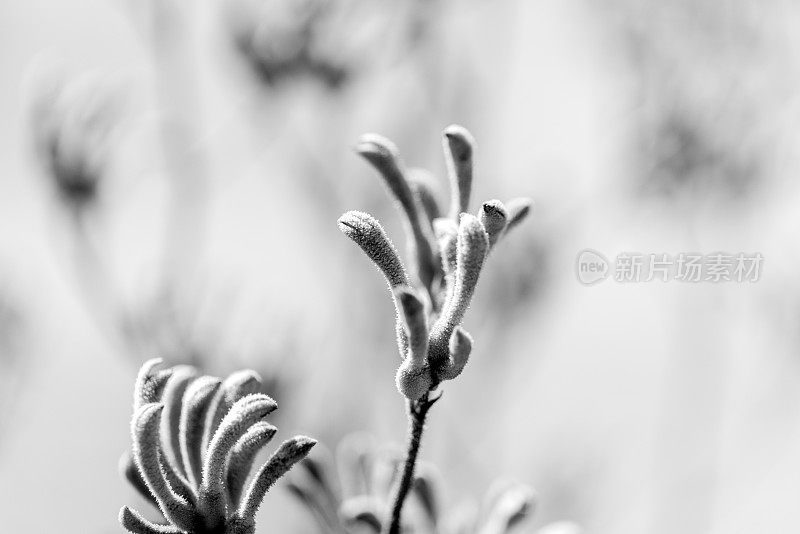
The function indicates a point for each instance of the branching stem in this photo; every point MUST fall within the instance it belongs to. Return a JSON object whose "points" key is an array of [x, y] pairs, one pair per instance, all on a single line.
{"points": [[417, 412]]}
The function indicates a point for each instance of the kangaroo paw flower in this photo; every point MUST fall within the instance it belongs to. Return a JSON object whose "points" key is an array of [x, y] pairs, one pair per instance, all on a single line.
{"points": [[458, 147], [289, 453], [135, 523], [383, 155], [494, 217], [243, 455], [471, 251], [150, 383], [460, 348], [210, 498], [196, 401]]}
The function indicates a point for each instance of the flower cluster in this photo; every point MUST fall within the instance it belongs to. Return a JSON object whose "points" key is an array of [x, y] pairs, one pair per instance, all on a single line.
{"points": [[449, 251], [353, 496], [195, 439]]}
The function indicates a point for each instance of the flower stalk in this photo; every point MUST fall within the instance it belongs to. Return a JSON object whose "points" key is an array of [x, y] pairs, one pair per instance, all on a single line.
{"points": [[448, 256]]}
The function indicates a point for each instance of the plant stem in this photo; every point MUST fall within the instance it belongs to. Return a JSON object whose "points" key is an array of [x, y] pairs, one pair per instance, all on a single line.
{"points": [[417, 412]]}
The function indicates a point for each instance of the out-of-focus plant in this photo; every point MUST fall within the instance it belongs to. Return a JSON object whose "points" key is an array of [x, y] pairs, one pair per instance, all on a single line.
{"points": [[77, 123], [195, 440], [448, 251], [329, 42], [354, 496], [12, 326], [74, 125], [693, 136]]}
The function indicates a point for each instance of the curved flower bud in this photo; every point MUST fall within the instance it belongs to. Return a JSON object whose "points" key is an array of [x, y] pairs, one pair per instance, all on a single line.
{"points": [[508, 504], [128, 469], [447, 235], [289, 453], [368, 234], [146, 453], [383, 155], [471, 249], [458, 148], [415, 321], [422, 185], [193, 414], [413, 380], [413, 377], [311, 482], [136, 524], [174, 390], [426, 489], [518, 210], [243, 455], [149, 383], [362, 511], [245, 413], [493, 216], [460, 348], [233, 388]]}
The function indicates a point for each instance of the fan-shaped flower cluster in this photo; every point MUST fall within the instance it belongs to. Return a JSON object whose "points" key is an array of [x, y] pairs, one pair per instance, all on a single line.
{"points": [[195, 439], [353, 496], [449, 252]]}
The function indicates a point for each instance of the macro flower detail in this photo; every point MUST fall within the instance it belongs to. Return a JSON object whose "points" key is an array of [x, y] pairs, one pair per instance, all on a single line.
{"points": [[448, 256], [195, 439]]}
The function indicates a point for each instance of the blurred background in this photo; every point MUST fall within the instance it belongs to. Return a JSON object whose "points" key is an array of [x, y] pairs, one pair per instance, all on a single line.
{"points": [[171, 173]]}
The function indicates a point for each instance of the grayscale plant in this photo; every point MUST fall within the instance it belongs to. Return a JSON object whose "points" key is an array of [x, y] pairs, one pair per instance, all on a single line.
{"points": [[74, 127], [448, 254], [353, 496], [327, 42], [195, 439]]}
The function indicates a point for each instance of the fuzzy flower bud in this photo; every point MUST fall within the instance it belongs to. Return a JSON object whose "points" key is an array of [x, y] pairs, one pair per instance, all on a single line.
{"points": [[196, 401], [460, 348], [289, 453], [458, 148], [368, 234], [413, 381], [150, 383], [422, 185], [471, 252], [493, 216], [383, 155], [415, 322]]}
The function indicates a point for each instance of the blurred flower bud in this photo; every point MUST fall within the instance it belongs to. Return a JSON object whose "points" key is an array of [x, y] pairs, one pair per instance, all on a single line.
{"points": [[518, 209], [73, 124]]}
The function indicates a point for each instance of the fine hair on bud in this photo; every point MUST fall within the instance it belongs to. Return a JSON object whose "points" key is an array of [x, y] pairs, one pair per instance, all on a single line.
{"points": [[368, 234], [493, 216], [472, 246], [383, 155], [458, 148]]}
